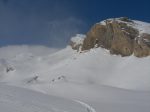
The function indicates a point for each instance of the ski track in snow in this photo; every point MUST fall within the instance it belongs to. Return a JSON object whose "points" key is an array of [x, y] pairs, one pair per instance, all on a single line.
{"points": [[88, 107]]}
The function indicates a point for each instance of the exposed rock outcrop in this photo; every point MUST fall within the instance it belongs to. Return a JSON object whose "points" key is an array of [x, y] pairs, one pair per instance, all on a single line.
{"points": [[120, 36]]}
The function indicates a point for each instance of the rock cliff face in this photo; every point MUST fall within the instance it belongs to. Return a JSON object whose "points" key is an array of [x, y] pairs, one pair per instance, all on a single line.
{"points": [[120, 36]]}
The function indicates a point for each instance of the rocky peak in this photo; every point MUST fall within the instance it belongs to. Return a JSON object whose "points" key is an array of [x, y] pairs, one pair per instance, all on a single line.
{"points": [[121, 36]]}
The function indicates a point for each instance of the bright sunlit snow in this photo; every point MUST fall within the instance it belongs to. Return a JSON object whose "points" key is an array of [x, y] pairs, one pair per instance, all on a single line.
{"points": [[95, 79], [13, 99]]}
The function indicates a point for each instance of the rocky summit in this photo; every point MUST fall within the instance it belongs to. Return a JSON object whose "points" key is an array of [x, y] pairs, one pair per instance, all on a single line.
{"points": [[121, 36]]}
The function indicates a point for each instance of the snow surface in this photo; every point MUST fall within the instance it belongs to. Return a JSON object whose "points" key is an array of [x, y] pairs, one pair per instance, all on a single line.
{"points": [[142, 27], [95, 79], [14, 99]]}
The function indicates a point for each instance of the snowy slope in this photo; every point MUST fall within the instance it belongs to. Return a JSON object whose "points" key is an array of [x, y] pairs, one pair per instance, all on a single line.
{"points": [[14, 99], [94, 67], [108, 83]]}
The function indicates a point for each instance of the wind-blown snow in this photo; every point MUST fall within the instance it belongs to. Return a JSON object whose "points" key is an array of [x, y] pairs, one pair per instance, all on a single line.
{"points": [[106, 83], [78, 39]]}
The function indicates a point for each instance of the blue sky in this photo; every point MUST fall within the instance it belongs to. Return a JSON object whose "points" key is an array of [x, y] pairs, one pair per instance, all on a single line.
{"points": [[53, 22]]}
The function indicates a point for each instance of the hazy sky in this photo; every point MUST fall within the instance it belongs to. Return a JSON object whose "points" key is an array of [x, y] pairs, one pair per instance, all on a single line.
{"points": [[53, 22]]}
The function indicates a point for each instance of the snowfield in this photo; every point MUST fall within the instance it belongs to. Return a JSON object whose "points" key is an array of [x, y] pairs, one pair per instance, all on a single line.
{"points": [[14, 99], [92, 81]]}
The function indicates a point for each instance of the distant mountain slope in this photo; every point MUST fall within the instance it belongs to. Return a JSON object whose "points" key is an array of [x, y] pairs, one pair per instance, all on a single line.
{"points": [[95, 67]]}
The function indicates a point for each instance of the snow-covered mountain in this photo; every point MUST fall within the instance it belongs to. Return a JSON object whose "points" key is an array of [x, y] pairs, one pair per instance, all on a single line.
{"points": [[106, 82], [90, 80], [94, 67]]}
